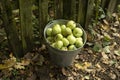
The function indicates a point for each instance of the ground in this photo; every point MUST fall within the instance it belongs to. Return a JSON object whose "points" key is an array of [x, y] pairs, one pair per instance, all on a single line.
{"points": [[99, 59]]}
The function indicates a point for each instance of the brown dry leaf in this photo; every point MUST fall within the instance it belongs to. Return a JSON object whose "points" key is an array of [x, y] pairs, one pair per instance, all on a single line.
{"points": [[32, 77], [105, 27], [70, 78], [65, 72], [113, 45], [113, 76], [75, 73], [28, 55], [105, 58], [105, 22], [83, 66], [97, 78], [104, 55], [89, 36], [42, 48], [116, 35], [40, 60], [113, 29], [51, 75], [114, 15], [87, 77], [116, 23], [25, 62], [98, 67]]}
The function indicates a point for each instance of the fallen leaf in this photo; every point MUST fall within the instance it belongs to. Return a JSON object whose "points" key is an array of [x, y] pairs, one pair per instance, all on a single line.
{"points": [[75, 73], [98, 66], [116, 23], [22, 64], [19, 66], [104, 55], [105, 22], [105, 27], [116, 35], [111, 62], [51, 75], [113, 29], [117, 52], [105, 58], [107, 37], [32, 77], [65, 72], [42, 48], [114, 15], [106, 49], [25, 62], [113, 76], [40, 60], [99, 36], [113, 45], [87, 77], [89, 43], [78, 65], [90, 70], [97, 47], [70, 78], [83, 66], [118, 67], [8, 63], [97, 78]]}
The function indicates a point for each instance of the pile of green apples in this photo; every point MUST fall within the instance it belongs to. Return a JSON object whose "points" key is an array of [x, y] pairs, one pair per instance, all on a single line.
{"points": [[65, 36]]}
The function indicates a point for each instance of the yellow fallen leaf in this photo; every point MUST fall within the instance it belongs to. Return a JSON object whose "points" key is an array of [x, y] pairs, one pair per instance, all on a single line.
{"points": [[77, 65], [7, 64], [19, 66], [105, 27], [87, 64], [22, 64], [83, 66]]}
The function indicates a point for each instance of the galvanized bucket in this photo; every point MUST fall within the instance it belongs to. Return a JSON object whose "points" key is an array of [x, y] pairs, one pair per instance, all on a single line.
{"points": [[60, 57]]}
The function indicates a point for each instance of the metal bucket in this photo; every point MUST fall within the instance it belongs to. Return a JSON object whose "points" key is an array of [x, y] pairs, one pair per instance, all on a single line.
{"points": [[60, 57]]}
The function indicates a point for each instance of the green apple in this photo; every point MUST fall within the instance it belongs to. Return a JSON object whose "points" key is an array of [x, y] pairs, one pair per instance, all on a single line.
{"points": [[56, 29], [65, 42], [58, 37], [71, 39], [64, 32], [50, 39], [53, 44], [58, 44], [71, 24], [77, 32], [79, 42], [63, 27], [80, 38], [68, 31], [72, 47], [64, 48], [49, 31]]}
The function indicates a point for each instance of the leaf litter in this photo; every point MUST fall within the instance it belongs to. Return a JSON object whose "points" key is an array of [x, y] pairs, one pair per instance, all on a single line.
{"points": [[98, 60]]}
